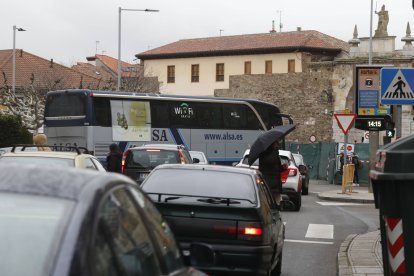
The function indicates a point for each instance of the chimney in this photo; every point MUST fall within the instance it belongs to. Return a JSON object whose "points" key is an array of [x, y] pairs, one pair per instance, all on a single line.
{"points": [[51, 63], [298, 29], [21, 52]]}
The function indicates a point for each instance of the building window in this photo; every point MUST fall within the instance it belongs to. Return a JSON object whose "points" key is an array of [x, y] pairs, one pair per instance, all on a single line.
{"points": [[268, 69], [247, 67], [220, 72], [195, 73], [291, 66], [171, 74]]}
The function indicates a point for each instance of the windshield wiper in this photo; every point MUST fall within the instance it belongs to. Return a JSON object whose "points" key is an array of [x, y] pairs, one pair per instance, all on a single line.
{"points": [[171, 198], [218, 200]]}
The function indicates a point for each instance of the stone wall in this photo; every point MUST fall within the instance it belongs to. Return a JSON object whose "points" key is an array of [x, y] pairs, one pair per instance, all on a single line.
{"points": [[307, 97]]}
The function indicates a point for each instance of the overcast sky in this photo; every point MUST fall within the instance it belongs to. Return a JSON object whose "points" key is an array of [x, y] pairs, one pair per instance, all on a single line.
{"points": [[68, 31]]}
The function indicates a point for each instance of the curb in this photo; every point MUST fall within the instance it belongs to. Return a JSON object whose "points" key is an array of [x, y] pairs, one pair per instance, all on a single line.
{"points": [[343, 265], [355, 259], [344, 199]]}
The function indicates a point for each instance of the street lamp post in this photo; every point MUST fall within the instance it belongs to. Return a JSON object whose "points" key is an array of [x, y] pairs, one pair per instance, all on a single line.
{"points": [[119, 40], [14, 58]]}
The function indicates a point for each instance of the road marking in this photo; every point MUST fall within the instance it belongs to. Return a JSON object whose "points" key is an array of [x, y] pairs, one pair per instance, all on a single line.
{"points": [[328, 203], [320, 231], [303, 241]]}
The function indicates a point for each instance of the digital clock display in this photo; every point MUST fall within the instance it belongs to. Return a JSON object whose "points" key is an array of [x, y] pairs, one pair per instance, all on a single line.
{"points": [[374, 123]]}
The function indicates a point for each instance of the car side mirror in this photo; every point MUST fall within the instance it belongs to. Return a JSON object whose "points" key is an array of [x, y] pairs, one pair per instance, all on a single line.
{"points": [[202, 255], [196, 160]]}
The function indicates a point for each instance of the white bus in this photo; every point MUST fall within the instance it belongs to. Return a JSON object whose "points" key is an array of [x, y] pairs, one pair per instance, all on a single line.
{"points": [[223, 128]]}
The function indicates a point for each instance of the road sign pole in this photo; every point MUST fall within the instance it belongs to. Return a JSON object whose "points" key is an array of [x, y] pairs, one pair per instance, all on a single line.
{"points": [[398, 121], [345, 149]]}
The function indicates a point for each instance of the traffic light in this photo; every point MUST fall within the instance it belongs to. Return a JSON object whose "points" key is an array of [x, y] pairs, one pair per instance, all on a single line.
{"points": [[390, 133]]}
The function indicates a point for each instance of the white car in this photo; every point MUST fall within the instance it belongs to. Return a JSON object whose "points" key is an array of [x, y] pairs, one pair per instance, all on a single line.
{"points": [[291, 178], [200, 156]]}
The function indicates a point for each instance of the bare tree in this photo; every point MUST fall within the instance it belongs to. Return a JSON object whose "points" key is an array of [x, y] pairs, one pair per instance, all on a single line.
{"points": [[28, 103], [137, 82]]}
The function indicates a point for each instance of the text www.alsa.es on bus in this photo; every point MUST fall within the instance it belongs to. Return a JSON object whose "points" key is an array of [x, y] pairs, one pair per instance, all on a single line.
{"points": [[224, 136]]}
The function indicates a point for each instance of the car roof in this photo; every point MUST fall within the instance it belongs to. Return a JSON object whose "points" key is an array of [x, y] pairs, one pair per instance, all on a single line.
{"points": [[48, 154], [67, 183], [201, 167], [286, 153], [160, 146]]}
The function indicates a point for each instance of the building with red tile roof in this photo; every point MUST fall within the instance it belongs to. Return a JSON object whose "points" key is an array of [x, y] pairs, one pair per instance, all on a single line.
{"points": [[110, 64], [41, 73], [199, 66]]}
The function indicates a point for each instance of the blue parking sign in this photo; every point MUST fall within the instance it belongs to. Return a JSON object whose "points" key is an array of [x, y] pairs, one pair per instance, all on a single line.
{"points": [[397, 86]]}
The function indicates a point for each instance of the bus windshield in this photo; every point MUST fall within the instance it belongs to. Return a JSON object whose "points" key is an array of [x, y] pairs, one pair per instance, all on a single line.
{"points": [[65, 105]]}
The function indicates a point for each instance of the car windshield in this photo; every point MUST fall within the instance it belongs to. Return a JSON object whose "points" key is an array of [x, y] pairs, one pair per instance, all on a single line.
{"points": [[198, 155], [31, 228], [38, 160], [246, 161], [150, 158], [215, 184], [298, 159]]}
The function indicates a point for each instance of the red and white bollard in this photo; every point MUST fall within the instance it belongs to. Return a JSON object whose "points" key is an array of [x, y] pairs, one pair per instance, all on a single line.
{"points": [[395, 242]]}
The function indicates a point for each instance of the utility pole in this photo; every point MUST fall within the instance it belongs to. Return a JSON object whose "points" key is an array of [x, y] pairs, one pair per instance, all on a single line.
{"points": [[373, 135], [280, 20]]}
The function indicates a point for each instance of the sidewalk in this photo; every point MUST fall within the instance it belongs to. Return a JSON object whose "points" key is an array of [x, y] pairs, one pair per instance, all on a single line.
{"points": [[359, 254]]}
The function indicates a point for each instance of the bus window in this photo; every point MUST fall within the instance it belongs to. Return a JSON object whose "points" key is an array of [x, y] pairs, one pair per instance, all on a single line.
{"points": [[208, 115], [65, 105], [234, 116], [102, 111], [160, 114], [252, 120]]}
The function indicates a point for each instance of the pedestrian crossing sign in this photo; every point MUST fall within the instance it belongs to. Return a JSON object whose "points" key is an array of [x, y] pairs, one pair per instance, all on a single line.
{"points": [[397, 86]]}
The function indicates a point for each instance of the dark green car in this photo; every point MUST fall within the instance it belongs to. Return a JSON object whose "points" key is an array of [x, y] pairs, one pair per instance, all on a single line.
{"points": [[228, 208]]}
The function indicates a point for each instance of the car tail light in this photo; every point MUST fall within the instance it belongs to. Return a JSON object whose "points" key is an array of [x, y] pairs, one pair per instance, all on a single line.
{"points": [[123, 161], [180, 154], [284, 175], [249, 231], [252, 231], [293, 171]]}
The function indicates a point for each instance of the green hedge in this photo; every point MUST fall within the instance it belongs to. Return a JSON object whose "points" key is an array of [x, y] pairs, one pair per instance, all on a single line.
{"points": [[12, 131]]}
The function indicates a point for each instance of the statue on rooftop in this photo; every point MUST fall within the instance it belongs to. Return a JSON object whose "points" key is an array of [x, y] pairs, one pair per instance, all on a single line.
{"points": [[383, 19]]}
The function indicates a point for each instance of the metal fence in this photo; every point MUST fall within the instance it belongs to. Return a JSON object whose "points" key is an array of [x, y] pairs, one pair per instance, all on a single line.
{"points": [[322, 157]]}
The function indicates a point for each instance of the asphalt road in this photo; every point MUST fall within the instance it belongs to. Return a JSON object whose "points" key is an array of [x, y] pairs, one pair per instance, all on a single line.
{"points": [[315, 233]]}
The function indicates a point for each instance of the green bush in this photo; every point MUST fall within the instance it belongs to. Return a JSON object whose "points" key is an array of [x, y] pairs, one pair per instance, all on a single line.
{"points": [[12, 131]]}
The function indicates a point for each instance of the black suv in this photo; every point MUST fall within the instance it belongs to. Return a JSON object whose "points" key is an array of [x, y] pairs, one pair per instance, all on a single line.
{"points": [[138, 162]]}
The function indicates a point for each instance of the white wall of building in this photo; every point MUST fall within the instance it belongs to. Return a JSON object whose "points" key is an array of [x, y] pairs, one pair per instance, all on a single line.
{"points": [[233, 65]]}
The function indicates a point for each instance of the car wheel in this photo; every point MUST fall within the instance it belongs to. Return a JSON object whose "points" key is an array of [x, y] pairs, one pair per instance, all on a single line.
{"points": [[298, 202], [277, 271]]}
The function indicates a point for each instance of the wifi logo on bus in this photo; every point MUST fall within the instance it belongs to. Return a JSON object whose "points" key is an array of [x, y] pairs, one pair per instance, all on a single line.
{"points": [[184, 111]]}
